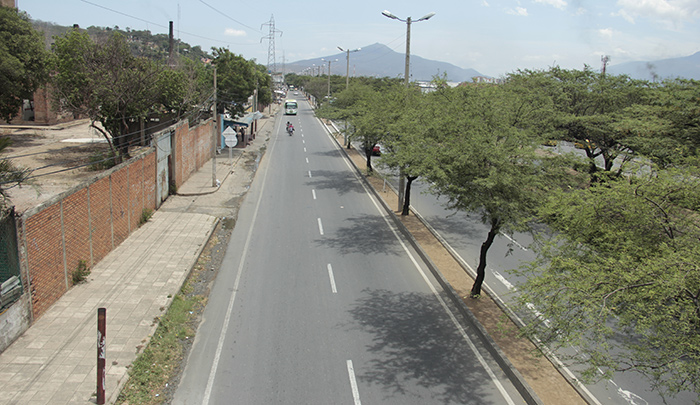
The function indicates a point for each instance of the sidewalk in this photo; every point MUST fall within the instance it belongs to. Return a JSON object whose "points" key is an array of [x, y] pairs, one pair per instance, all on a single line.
{"points": [[55, 360]]}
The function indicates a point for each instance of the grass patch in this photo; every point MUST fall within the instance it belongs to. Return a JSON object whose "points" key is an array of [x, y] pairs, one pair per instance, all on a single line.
{"points": [[81, 273], [146, 214], [151, 371]]}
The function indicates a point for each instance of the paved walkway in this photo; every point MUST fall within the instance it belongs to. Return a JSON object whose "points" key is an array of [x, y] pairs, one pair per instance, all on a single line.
{"points": [[54, 361]]}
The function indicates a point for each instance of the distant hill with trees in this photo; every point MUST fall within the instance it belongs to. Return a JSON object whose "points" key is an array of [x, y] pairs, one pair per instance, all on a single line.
{"points": [[141, 42]]}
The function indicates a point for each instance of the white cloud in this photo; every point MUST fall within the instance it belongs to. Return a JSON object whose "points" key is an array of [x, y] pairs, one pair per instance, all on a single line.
{"points": [[485, 3], [672, 13], [560, 4], [234, 33], [517, 11], [606, 33]]}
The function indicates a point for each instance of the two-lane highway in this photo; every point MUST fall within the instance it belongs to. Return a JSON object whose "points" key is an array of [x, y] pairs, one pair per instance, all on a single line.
{"points": [[320, 300]]}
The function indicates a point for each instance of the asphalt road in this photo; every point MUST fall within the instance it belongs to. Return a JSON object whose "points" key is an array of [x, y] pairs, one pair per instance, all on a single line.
{"points": [[320, 301]]}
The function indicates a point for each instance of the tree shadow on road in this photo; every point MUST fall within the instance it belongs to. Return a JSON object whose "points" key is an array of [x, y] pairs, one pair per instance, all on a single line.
{"points": [[342, 182], [415, 343], [364, 235]]}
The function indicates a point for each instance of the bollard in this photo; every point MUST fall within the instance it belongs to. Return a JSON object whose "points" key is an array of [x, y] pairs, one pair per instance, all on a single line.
{"points": [[101, 354]]}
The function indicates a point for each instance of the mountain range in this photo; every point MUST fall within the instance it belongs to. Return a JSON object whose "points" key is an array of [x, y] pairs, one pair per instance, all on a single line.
{"points": [[379, 60], [687, 67]]}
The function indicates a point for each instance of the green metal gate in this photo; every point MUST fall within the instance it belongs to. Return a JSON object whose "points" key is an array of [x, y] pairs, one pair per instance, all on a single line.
{"points": [[9, 260]]}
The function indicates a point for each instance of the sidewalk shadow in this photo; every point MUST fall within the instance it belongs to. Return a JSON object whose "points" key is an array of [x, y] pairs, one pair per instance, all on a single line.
{"points": [[414, 342]]}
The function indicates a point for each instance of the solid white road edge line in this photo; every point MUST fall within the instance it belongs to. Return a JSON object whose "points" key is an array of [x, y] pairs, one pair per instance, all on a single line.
{"points": [[353, 383]]}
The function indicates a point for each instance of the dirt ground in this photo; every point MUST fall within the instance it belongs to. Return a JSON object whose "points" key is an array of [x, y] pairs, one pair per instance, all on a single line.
{"points": [[56, 156], [542, 376]]}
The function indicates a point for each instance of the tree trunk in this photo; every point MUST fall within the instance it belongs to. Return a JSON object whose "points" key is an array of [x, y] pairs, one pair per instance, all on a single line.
{"points": [[368, 154], [481, 269], [407, 195]]}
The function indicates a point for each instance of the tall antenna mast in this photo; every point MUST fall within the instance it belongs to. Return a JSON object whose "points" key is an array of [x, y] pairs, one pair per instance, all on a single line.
{"points": [[605, 59], [271, 59]]}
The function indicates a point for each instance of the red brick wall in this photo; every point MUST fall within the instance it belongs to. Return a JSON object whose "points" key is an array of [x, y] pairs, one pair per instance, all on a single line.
{"points": [[120, 205], [45, 252], [76, 230], [100, 219], [192, 149], [98, 216]]}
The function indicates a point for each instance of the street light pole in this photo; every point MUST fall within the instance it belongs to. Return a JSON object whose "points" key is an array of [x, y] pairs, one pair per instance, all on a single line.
{"points": [[347, 68], [388, 14]]}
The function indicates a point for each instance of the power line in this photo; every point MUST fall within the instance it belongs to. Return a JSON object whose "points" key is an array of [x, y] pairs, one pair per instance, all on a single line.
{"points": [[230, 18], [158, 25]]}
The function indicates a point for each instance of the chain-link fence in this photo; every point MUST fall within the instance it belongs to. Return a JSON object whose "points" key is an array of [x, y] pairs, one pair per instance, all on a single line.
{"points": [[9, 260]]}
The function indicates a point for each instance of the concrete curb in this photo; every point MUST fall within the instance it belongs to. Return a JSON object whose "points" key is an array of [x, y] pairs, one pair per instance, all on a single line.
{"points": [[513, 374]]}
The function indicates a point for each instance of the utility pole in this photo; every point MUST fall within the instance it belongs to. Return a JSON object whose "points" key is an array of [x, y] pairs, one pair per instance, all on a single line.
{"points": [[347, 61], [216, 131]]}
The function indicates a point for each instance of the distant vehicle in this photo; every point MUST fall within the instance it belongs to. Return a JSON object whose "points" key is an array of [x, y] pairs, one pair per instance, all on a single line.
{"points": [[290, 107]]}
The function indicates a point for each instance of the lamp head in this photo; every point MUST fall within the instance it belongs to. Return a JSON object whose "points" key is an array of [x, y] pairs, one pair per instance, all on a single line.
{"points": [[426, 17], [387, 13]]}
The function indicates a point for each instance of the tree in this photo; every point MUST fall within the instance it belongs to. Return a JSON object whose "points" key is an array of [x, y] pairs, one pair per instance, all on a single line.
{"points": [[235, 81], [23, 61], [412, 122], [9, 173], [108, 84], [589, 106], [483, 158], [667, 128], [264, 83], [620, 278], [372, 116]]}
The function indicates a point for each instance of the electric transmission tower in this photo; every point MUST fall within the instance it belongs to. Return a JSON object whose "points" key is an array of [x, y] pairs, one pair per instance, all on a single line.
{"points": [[271, 59], [605, 59]]}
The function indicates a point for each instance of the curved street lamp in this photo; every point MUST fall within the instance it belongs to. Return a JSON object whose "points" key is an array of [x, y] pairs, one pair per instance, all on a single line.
{"points": [[408, 21]]}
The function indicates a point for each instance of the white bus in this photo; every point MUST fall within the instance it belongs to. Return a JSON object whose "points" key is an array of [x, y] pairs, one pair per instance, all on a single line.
{"points": [[290, 107]]}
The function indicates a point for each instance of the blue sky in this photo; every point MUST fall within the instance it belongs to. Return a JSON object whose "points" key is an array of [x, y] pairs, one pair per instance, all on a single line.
{"points": [[492, 36]]}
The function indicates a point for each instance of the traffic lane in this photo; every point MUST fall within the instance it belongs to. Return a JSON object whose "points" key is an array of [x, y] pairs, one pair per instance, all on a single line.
{"points": [[264, 358], [375, 259], [355, 234]]}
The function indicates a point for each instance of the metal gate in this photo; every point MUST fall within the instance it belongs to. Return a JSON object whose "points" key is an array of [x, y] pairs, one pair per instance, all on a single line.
{"points": [[163, 153], [10, 283]]}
